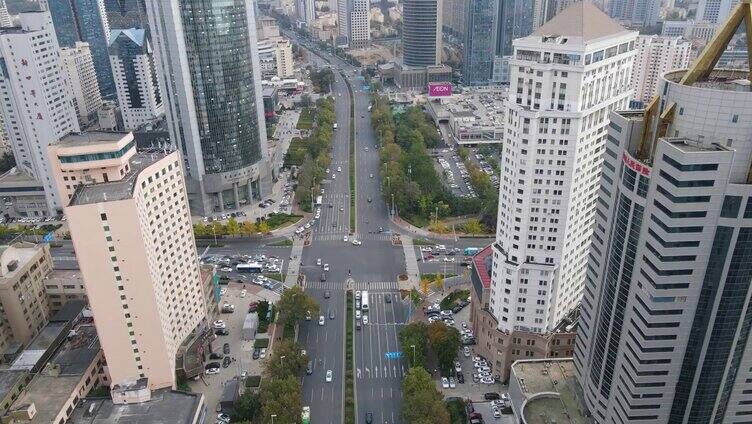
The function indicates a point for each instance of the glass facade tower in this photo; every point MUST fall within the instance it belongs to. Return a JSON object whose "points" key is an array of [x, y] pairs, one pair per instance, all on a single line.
{"points": [[480, 41]]}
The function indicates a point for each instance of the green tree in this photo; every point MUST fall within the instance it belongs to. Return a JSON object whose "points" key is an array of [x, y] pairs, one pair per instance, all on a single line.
{"points": [[439, 282], [286, 360], [7, 161], [422, 403], [263, 227], [280, 397], [294, 303], [199, 229], [473, 226], [414, 334], [232, 227], [445, 343], [415, 297], [248, 228], [247, 407]]}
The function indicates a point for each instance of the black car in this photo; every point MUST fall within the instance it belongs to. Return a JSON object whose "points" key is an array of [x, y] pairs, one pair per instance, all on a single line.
{"points": [[491, 396], [226, 348], [256, 353], [216, 355], [226, 362], [211, 365], [323, 276], [388, 298], [369, 417], [222, 332], [327, 294], [460, 378]]}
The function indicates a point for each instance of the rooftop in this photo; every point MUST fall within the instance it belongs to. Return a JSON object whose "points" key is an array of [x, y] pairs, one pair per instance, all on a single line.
{"points": [[135, 34], [537, 377], [29, 358], [719, 79], [479, 265], [14, 257], [687, 145], [582, 19], [165, 407], [115, 190], [9, 379], [91, 138]]}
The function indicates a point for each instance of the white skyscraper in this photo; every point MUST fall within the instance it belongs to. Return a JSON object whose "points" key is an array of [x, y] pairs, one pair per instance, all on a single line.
{"points": [[135, 76], [665, 320], [655, 56], [38, 109], [565, 79], [353, 22], [5, 18], [79, 68]]}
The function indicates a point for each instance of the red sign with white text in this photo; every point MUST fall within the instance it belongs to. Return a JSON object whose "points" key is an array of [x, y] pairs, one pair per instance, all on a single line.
{"points": [[635, 165]]}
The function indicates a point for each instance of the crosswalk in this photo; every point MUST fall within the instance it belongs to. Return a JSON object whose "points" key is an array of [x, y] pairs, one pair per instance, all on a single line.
{"points": [[393, 370], [338, 285], [324, 235]]}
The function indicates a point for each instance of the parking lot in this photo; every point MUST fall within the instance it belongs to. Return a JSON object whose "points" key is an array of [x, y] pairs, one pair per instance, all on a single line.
{"points": [[483, 162], [247, 269], [455, 174], [240, 351]]}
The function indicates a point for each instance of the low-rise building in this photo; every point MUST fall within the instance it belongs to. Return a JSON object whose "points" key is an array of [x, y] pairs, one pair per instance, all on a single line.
{"points": [[12, 384], [62, 286], [689, 30], [162, 406], [502, 348], [23, 194], [474, 117], [545, 391]]}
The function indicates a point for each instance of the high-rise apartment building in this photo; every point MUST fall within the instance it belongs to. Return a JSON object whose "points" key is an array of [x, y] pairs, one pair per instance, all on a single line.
{"points": [[131, 229], [665, 322], [85, 20], [136, 80], [23, 269], [565, 78], [480, 42], [353, 23], [79, 68], [33, 70], [213, 98], [516, 18], [637, 13], [655, 56], [5, 18], [421, 33], [714, 11]]}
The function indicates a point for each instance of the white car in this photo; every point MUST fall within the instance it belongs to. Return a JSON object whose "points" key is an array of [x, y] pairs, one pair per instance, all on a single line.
{"points": [[327, 170], [339, 169], [326, 267], [223, 417], [329, 376], [357, 294], [357, 314], [226, 269], [496, 413], [219, 324], [444, 382], [344, 239], [212, 371], [222, 291], [318, 262], [451, 383], [365, 319], [334, 176], [262, 354], [487, 380], [243, 293], [458, 366], [466, 351], [322, 320], [356, 242], [464, 325]]}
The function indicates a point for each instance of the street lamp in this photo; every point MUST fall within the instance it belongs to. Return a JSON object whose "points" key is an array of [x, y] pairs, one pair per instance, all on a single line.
{"points": [[281, 358], [413, 346], [273, 415]]}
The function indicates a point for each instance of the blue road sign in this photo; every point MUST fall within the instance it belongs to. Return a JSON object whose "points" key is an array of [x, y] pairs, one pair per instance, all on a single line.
{"points": [[393, 355], [48, 237]]}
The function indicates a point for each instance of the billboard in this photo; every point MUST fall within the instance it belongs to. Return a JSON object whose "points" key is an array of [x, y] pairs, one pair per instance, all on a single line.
{"points": [[440, 89]]}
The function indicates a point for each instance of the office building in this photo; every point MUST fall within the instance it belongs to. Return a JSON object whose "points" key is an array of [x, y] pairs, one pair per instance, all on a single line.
{"points": [[79, 68], [635, 13], [421, 33], [714, 11], [454, 17], [565, 77], [131, 227], [85, 20], [135, 74], [223, 143], [353, 25], [480, 42], [275, 57], [690, 30], [310, 11], [655, 56], [501, 70], [32, 72], [515, 20], [23, 268], [664, 332], [126, 14]]}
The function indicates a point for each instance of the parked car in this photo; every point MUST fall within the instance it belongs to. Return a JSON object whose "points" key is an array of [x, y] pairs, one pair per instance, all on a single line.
{"points": [[491, 396], [256, 353], [222, 332], [216, 355], [444, 382], [226, 348]]}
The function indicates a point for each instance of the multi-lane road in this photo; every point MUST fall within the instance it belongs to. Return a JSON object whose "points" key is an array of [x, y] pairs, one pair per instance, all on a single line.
{"points": [[372, 266]]}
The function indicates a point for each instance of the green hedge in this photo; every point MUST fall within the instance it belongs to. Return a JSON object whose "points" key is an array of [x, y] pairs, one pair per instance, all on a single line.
{"points": [[260, 343], [253, 381]]}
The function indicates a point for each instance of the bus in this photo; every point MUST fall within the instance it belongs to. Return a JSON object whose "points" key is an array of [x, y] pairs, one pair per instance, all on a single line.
{"points": [[249, 268], [364, 300], [470, 251], [306, 415], [319, 199]]}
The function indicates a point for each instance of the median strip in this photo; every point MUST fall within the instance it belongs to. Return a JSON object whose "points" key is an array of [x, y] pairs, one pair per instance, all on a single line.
{"points": [[349, 363], [353, 191]]}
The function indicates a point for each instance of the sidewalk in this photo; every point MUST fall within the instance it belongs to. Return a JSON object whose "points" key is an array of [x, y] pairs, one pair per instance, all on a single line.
{"points": [[418, 232], [411, 265], [293, 267]]}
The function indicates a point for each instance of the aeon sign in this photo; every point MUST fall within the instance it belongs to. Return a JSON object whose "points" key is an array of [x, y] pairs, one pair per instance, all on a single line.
{"points": [[440, 89]]}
